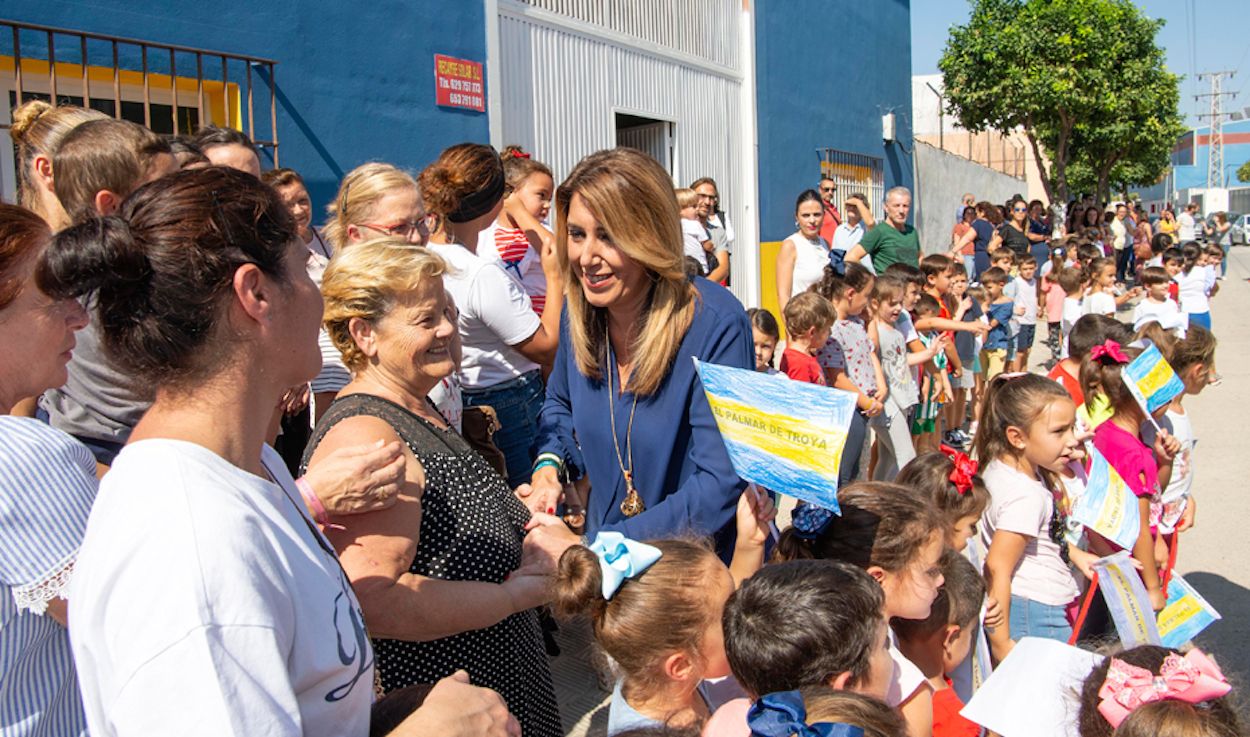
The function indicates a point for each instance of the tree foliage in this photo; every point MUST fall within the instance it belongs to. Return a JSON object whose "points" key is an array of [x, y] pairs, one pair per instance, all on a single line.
{"points": [[1084, 79], [1243, 172]]}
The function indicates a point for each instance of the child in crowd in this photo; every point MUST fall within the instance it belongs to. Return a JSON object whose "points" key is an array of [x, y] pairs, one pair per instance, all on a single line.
{"points": [[1101, 298], [1191, 697], [1053, 295], [894, 445], [1087, 253], [1027, 296], [823, 711], [935, 388], [977, 294], [941, 641], [1191, 286], [1026, 436], [801, 624], [898, 538], [937, 270], [966, 349], [849, 359], [1006, 259], [1073, 282], [1159, 244], [1118, 439], [627, 586], [1193, 360], [1086, 332], [518, 238], [1157, 306], [696, 243], [1173, 260], [765, 336], [950, 479], [998, 310], [808, 319]]}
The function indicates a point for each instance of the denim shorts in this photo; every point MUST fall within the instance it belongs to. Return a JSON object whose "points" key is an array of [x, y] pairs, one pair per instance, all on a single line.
{"points": [[517, 403], [1034, 619], [1024, 338]]}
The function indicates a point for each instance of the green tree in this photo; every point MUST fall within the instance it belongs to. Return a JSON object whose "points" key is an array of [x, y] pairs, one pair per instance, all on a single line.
{"points": [[1243, 172], [1083, 79]]}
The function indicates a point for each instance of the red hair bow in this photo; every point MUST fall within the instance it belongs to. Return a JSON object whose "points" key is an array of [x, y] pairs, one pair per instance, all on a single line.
{"points": [[1194, 678], [1108, 349], [964, 468]]}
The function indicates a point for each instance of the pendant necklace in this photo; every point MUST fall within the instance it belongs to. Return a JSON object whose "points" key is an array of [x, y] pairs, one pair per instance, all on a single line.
{"points": [[633, 502]]}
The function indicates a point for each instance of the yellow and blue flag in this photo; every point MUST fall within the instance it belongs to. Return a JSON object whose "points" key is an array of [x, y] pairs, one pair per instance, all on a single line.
{"points": [[1108, 506], [1151, 380], [1185, 615], [784, 435]]}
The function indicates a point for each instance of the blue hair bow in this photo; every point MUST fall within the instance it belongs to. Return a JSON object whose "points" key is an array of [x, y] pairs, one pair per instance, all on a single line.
{"points": [[783, 714], [621, 558], [809, 520]]}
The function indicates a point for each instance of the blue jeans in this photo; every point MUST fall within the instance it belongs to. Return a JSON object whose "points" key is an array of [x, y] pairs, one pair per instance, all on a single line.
{"points": [[1224, 264], [1034, 619], [517, 403], [1200, 318], [970, 265]]}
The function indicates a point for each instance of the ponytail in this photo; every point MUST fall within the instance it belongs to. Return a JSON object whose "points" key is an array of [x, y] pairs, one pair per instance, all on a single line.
{"points": [[1012, 401]]}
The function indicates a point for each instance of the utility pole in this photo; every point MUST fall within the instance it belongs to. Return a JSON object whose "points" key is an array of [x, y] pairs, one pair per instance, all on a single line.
{"points": [[1215, 150]]}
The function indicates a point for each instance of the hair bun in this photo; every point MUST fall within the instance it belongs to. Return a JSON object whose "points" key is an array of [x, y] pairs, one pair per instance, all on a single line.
{"points": [[24, 117], [578, 586], [99, 256]]}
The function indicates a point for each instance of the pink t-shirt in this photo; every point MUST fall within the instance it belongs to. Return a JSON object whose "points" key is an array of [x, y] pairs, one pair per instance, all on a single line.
{"points": [[1054, 300], [729, 721], [1130, 458]]}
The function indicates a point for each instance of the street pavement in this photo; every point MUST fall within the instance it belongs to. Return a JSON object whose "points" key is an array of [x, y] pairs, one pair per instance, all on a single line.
{"points": [[1214, 556]]}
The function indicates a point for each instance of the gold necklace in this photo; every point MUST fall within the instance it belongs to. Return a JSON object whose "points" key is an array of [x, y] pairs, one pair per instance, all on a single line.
{"points": [[632, 505]]}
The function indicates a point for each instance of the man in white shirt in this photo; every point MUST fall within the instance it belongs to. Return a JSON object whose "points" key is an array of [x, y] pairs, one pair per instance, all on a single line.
{"points": [[719, 232], [858, 221], [1189, 225]]}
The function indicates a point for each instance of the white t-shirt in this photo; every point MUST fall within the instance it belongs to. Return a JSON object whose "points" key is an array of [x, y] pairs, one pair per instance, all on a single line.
{"points": [[495, 314], [1188, 228], [810, 260], [1099, 303], [1176, 497], [1191, 290], [528, 272], [1026, 297], [1071, 313], [907, 679], [692, 236], [1020, 503], [206, 603], [1166, 313]]}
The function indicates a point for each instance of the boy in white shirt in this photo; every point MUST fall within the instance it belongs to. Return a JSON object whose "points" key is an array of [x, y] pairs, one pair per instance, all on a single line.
{"points": [[1158, 306], [1025, 311], [1072, 281], [696, 242]]}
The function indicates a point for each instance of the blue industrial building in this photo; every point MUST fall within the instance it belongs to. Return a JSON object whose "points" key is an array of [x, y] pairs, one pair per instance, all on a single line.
{"points": [[1187, 178], [755, 93]]}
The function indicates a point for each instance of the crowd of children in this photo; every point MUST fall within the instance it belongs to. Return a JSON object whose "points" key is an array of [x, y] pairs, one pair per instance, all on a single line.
{"points": [[959, 474]]}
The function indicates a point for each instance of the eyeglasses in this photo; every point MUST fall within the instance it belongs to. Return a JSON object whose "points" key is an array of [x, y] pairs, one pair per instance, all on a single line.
{"points": [[401, 230], [828, 189]]}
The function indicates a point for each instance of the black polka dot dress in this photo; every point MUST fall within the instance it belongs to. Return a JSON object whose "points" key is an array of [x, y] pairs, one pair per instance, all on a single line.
{"points": [[471, 530]]}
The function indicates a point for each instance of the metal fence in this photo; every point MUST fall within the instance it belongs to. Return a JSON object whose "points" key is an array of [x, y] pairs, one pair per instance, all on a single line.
{"points": [[855, 173], [165, 87]]}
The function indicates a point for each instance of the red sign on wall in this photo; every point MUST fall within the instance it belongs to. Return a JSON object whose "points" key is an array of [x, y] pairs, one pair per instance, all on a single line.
{"points": [[458, 83]]}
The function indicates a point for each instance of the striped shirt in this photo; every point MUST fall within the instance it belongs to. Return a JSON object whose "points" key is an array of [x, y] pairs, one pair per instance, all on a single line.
{"points": [[47, 486]]}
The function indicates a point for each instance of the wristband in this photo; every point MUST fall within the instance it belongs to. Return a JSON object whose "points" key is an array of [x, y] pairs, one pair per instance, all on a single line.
{"points": [[319, 514], [546, 463]]}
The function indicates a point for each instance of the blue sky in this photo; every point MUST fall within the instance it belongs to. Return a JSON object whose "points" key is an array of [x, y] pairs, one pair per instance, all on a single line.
{"points": [[1221, 40]]}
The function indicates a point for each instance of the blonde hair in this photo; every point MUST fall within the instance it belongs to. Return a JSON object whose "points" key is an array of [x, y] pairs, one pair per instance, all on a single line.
{"points": [[632, 198], [37, 130], [825, 705], [686, 197], [364, 281], [359, 192]]}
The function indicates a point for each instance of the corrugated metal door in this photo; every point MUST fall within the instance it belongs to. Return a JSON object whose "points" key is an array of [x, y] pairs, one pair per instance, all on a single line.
{"points": [[564, 79], [654, 139]]}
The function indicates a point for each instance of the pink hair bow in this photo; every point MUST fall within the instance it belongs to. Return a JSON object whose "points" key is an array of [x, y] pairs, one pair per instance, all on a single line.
{"points": [[1192, 679], [1108, 349]]}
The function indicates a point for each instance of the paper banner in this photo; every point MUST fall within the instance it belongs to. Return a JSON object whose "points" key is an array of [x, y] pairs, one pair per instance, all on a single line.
{"points": [[1185, 615], [1108, 506], [1035, 691], [786, 436], [1127, 600], [1151, 380]]}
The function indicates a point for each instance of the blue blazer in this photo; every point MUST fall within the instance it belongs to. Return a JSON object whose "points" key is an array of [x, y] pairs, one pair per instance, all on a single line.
{"points": [[680, 466]]}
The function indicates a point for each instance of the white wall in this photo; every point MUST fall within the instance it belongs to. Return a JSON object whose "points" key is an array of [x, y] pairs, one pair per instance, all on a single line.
{"points": [[941, 180]]}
